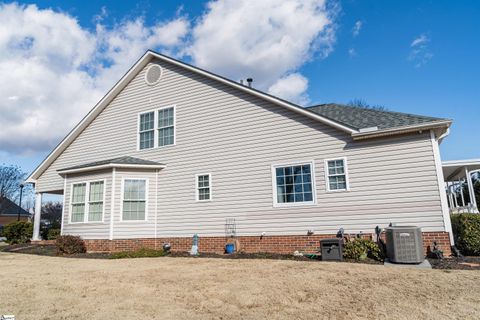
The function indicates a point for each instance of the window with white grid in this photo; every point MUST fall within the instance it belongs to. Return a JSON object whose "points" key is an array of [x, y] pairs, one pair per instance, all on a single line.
{"points": [[134, 199], [78, 202], [336, 175], [95, 201], [203, 187], [166, 126], [87, 201], [294, 184], [147, 130]]}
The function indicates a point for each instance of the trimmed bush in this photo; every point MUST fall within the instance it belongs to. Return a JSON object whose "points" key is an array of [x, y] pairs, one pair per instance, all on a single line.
{"points": [[53, 234], [18, 232], [140, 253], [70, 245], [360, 249], [466, 231]]}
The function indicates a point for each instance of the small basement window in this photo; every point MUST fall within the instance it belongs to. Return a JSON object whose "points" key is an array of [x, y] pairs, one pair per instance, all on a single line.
{"points": [[294, 184], [337, 177], [203, 187], [134, 199]]}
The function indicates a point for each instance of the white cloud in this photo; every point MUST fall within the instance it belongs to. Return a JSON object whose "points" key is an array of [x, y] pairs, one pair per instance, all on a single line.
{"points": [[54, 71], [352, 52], [356, 28], [265, 40], [419, 41], [420, 53], [291, 87]]}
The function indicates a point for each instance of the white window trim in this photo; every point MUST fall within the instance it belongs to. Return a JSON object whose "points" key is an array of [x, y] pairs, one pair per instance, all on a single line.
{"points": [[87, 202], [122, 190], [156, 128], [327, 180], [274, 185], [197, 195]]}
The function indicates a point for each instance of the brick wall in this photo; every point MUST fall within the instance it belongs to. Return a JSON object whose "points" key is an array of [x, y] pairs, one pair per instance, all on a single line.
{"points": [[250, 244]]}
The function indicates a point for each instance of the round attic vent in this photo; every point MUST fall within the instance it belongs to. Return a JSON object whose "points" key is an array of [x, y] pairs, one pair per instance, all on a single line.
{"points": [[153, 74]]}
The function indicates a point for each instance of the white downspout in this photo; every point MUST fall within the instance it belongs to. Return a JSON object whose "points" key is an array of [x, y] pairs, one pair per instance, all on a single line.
{"points": [[440, 181], [112, 204], [63, 206]]}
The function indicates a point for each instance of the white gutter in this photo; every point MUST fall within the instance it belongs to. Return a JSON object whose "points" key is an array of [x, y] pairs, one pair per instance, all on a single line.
{"points": [[110, 166], [400, 130]]}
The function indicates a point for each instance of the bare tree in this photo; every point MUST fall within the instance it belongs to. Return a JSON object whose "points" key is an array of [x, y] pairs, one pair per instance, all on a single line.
{"points": [[360, 103], [52, 213], [10, 179]]}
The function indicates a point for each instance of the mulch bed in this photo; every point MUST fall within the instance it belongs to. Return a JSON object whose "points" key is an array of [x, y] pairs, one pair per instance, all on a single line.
{"points": [[464, 263]]}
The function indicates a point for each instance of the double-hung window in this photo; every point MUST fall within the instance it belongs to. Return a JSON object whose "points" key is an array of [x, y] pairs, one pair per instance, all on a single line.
{"points": [[156, 128], [166, 127], [336, 172], [134, 199], [146, 130], [87, 201], [294, 184], [203, 187]]}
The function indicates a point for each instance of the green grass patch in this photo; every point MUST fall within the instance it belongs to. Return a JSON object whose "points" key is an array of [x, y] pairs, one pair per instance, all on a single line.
{"points": [[140, 253]]}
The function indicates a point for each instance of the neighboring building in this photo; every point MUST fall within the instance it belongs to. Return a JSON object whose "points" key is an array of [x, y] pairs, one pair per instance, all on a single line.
{"points": [[9, 212], [173, 150]]}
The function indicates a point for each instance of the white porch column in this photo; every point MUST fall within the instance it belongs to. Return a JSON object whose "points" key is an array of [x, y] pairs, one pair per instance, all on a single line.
{"points": [[460, 183], [38, 212], [471, 191]]}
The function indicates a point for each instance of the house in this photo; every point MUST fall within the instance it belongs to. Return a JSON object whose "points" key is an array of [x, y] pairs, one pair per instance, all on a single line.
{"points": [[9, 212], [173, 150]]}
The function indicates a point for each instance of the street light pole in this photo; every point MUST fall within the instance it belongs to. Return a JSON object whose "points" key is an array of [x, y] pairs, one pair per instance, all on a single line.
{"points": [[20, 202]]}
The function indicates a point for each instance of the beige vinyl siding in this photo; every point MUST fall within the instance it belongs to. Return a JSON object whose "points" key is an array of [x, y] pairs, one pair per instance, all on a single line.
{"points": [[89, 230], [237, 138]]}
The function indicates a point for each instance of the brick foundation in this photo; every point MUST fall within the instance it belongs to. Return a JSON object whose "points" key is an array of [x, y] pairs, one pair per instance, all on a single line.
{"points": [[249, 244]]}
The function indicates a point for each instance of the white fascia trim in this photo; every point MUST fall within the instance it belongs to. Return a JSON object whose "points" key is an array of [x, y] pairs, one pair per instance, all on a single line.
{"points": [[259, 94], [113, 165], [399, 130], [455, 163]]}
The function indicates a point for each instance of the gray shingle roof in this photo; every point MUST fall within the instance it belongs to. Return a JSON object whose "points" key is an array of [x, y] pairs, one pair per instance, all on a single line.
{"points": [[10, 208], [359, 118], [121, 160]]}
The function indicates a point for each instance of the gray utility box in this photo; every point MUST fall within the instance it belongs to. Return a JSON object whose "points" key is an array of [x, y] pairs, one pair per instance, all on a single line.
{"points": [[332, 249], [404, 244]]}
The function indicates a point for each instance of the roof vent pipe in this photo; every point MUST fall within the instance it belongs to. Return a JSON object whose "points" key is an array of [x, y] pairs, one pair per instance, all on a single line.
{"points": [[249, 80]]}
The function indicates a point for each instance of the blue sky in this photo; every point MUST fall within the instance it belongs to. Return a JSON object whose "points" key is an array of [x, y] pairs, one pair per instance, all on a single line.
{"points": [[409, 56]]}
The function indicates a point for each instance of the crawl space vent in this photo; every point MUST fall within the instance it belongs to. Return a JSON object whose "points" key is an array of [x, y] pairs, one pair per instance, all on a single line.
{"points": [[153, 75]]}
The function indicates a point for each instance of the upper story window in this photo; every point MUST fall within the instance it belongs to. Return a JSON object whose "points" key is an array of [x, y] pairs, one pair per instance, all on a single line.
{"points": [[87, 201], [134, 199], [146, 130], [156, 128], [294, 184], [336, 172], [166, 126], [203, 187]]}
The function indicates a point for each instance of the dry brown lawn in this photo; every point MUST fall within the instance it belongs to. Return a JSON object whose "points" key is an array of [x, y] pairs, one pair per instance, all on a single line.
{"points": [[35, 287]]}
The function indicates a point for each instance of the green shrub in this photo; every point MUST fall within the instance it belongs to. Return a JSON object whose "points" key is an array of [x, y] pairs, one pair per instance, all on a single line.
{"points": [[70, 245], [140, 253], [360, 249], [466, 231], [53, 234], [18, 232]]}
